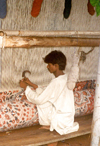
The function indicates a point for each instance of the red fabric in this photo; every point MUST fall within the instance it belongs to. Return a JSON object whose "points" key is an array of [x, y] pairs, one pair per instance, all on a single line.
{"points": [[36, 7]]}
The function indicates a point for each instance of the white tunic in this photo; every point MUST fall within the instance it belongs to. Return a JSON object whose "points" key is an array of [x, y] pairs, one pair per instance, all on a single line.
{"points": [[55, 105]]}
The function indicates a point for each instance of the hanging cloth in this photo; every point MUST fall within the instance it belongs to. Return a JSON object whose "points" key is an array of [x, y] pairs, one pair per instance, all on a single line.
{"points": [[3, 8]]}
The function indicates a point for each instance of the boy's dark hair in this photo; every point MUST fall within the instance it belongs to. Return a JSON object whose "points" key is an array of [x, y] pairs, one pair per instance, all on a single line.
{"points": [[56, 57]]}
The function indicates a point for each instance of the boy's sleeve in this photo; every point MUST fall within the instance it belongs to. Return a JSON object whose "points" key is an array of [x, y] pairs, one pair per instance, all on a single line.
{"points": [[41, 96], [33, 95], [74, 73]]}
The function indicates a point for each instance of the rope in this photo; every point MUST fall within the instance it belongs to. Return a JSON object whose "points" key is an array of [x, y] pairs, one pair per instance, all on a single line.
{"points": [[83, 55]]}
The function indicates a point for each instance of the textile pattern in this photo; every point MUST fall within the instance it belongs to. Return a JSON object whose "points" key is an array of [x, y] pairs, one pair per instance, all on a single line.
{"points": [[84, 93], [15, 113]]}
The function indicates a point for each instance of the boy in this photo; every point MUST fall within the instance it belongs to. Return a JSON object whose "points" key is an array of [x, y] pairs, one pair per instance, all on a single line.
{"points": [[55, 103]]}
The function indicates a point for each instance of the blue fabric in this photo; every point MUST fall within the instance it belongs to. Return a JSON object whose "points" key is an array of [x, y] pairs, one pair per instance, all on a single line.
{"points": [[3, 8]]}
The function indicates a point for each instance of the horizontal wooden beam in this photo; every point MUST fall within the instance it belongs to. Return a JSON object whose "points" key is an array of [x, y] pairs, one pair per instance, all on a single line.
{"points": [[64, 33], [50, 40], [28, 42]]}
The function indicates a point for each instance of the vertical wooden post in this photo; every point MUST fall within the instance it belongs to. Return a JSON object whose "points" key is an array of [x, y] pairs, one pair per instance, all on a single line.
{"points": [[96, 113]]}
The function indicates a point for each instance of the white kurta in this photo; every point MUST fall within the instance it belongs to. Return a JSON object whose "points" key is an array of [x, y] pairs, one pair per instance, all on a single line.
{"points": [[55, 105]]}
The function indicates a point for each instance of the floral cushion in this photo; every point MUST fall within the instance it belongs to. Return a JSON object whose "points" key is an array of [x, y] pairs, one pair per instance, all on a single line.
{"points": [[84, 93], [84, 101], [15, 113], [82, 85]]}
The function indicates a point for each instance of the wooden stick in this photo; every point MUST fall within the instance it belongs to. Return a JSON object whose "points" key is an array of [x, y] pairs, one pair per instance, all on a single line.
{"points": [[28, 42], [85, 34]]}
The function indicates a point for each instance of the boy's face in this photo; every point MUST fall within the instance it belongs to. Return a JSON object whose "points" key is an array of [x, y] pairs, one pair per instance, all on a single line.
{"points": [[52, 68]]}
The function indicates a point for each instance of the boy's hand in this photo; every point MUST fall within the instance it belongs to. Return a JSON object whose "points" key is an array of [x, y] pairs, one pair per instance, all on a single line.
{"points": [[26, 80], [23, 84], [23, 97], [29, 83]]}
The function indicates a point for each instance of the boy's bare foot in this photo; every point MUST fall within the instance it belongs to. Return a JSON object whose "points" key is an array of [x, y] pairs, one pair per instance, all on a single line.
{"points": [[45, 127]]}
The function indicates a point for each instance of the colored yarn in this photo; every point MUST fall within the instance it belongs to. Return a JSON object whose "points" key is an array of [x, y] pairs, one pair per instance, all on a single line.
{"points": [[90, 8], [3, 8], [67, 9], [36, 7]]}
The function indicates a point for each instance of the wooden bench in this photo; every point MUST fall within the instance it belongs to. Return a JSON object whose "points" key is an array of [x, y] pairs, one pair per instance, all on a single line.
{"points": [[33, 136]]}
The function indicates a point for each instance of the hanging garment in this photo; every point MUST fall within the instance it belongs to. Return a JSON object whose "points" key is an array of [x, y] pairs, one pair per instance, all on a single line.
{"points": [[67, 8], [36, 7], [3, 8]]}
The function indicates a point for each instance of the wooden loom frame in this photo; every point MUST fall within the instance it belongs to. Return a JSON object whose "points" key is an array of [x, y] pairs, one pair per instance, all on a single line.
{"points": [[29, 39]]}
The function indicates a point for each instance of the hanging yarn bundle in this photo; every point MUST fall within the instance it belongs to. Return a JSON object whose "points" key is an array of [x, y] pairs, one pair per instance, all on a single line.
{"points": [[90, 8], [67, 9], [3, 8], [36, 7]]}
